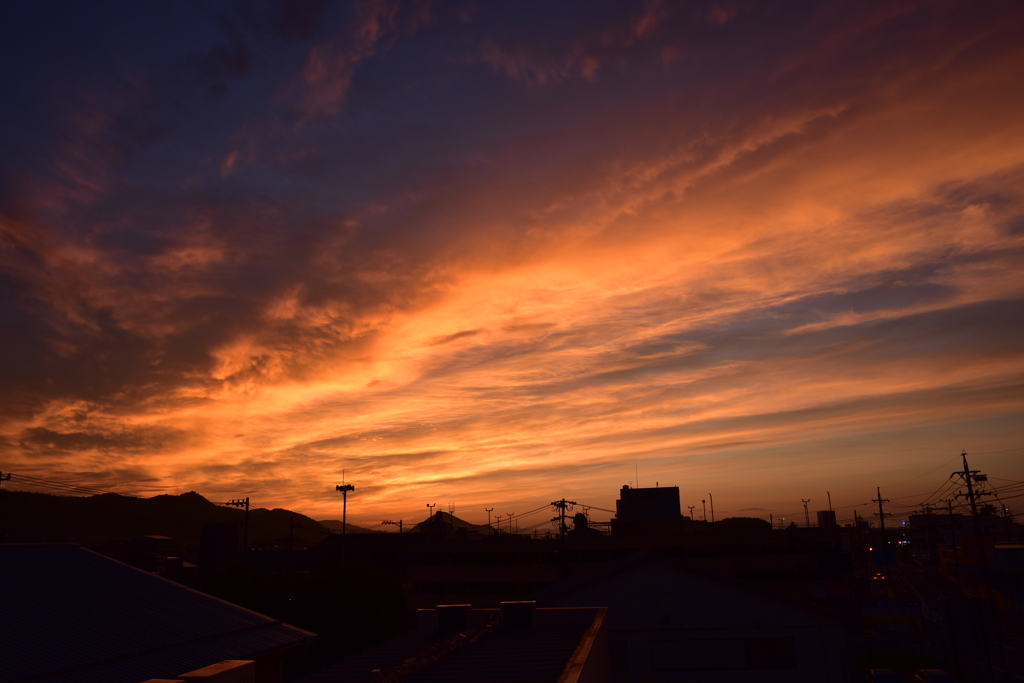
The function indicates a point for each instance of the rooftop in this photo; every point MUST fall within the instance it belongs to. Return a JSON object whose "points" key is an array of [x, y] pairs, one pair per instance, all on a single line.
{"points": [[553, 649], [74, 615]]}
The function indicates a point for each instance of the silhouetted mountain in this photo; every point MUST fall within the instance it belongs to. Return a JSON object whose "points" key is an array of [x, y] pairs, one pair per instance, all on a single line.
{"points": [[30, 517], [336, 525], [453, 523]]}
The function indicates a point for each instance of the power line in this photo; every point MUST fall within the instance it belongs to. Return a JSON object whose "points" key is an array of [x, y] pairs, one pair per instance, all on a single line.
{"points": [[594, 507], [955, 457], [59, 486], [1019, 448]]}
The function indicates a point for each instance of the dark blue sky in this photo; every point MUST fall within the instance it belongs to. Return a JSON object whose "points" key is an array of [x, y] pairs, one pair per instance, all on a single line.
{"points": [[462, 248]]}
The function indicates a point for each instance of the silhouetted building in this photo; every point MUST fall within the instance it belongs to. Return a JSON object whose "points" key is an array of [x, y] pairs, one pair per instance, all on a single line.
{"points": [[667, 621], [72, 615], [647, 511], [648, 503], [826, 519]]}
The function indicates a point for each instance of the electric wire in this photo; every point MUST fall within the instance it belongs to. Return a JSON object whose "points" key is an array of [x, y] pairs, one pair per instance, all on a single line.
{"points": [[923, 475]]}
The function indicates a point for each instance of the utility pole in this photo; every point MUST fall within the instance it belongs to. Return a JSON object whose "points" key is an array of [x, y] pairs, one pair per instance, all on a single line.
{"points": [[952, 541], [710, 498], [5, 477], [704, 504], [344, 488], [807, 515], [691, 511], [398, 524], [952, 531], [561, 506], [243, 503], [829, 500], [488, 511], [927, 511], [880, 514], [969, 477]]}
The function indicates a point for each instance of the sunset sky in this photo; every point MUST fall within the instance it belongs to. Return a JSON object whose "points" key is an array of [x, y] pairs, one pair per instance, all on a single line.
{"points": [[490, 254]]}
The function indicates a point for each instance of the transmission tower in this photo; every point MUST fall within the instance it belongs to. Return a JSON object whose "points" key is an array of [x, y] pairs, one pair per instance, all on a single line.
{"points": [[807, 515]]}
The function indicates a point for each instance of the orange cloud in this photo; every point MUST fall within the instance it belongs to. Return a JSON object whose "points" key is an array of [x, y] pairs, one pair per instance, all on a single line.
{"points": [[744, 277]]}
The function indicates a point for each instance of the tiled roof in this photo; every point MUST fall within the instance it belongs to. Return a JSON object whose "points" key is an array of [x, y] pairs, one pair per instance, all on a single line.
{"points": [[72, 615]]}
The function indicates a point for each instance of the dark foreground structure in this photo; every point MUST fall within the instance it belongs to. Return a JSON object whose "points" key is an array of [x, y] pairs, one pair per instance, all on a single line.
{"points": [[517, 643], [71, 615], [668, 621]]}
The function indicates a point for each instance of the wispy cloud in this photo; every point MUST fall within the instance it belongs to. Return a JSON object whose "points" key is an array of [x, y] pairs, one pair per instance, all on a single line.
{"points": [[463, 257]]}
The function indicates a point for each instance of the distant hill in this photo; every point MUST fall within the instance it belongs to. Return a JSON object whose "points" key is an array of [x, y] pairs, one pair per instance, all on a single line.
{"points": [[94, 520], [336, 525], [454, 523]]}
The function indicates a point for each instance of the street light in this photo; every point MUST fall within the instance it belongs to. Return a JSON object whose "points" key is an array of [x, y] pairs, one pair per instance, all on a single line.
{"points": [[344, 488]]}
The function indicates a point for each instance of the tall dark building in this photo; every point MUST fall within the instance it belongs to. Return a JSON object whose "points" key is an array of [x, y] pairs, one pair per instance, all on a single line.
{"points": [[647, 511], [643, 503]]}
